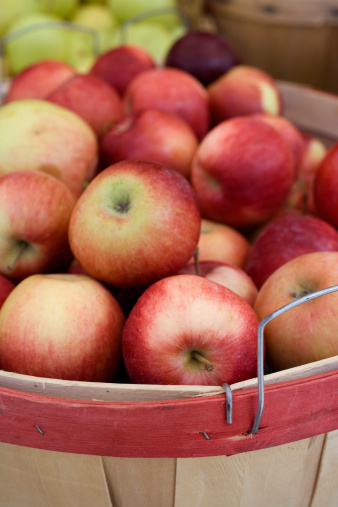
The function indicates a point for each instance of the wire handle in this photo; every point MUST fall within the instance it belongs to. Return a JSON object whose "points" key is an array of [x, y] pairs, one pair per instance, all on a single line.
{"points": [[260, 346]]}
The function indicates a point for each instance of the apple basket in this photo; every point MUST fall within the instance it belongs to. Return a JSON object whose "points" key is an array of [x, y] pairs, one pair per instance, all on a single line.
{"points": [[271, 440]]}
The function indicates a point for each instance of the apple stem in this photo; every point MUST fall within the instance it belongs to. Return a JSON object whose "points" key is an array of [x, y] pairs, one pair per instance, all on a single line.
{"points": [[23, 246], [197, 266], [207, 364]]}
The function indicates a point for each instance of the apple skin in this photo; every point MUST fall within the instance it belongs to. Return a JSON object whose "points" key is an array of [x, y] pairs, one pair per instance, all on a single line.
{"points": [[68, 327], [185, 313], [38, 80], [119, 65], [6, 287], [205, 55], [232, 277], [154, 135], [220, 242], [92, 99], [241, 91], [287, 236], [308, 332], [135, 223], [33, 234], [326, 187], [242, 172], [41, 136], [172, 90]]}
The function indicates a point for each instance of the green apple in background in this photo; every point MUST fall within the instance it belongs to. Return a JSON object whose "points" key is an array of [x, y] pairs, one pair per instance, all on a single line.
{"points": [[125, 9], [36, 44], [13, 9], [63, 8], [100, 18]]}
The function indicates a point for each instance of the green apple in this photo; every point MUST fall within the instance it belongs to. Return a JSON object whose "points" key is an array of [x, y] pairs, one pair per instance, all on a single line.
{"points": [[126, 9], [151, 36], [13, 9], [35, 40], [63, 8]]}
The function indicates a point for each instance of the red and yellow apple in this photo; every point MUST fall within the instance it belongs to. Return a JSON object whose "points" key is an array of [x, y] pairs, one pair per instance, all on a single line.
{"points": [[325, 187], [6, 287]]}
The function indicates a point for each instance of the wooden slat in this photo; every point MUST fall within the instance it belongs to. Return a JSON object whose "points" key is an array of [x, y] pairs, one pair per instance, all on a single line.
{"points": [[326, 491], [178, 428]]}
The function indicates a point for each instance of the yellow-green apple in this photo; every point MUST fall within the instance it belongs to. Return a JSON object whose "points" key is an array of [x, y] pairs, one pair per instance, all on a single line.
{"points": [[38, 80], [301, 195], [119, 65], [68, 327], [185, 329], [242, 172], [172, 90], [241, 91], [205, 55], [92, 99], [135, 223], [6, 287], [154, 135], [63, 8], [326, 187], [34, 218], [163, 11], [223, 243], [14, 9], [38, 135], [230, 276], [287, 236], [290, 133], [307, 332], [35, 40]]}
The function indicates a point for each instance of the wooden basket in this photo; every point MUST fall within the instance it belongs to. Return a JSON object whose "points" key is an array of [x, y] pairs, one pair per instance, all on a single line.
{"points": [[82, 444], [293, 40]]}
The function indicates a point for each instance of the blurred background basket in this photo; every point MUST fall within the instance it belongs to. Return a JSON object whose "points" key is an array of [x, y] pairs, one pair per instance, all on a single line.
{"points": [[294, 40]]}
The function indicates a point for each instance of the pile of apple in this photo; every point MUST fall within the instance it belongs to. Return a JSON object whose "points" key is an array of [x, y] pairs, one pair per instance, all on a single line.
{"points": [[148, 222]]}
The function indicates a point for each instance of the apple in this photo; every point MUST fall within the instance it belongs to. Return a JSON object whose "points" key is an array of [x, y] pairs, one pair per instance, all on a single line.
{"points": [[135, 223], [325, 187], [172, 90], [38, 135], [301, 195], [14, 9], [290, 133], [230, 276], [119, 65], [185, 329], [92, 99], [153, 135], [205, 55], [242, 172], [35, 39], [65, 9], [68, 327], [241, 91], [222, 243], [34, 218], [307, 332], [38, 80], [6, 287], [287, 236], [163, 11]]}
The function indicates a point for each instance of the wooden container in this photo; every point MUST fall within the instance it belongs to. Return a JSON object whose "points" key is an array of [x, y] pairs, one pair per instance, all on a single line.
{"points": [[294, 40], [74, 444]]}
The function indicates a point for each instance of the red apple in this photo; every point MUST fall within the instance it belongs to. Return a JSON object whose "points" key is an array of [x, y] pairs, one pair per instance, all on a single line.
{"points": [[68, 327], [35, 213], [205, 55], [241, 91], [40, 136], [326, 187], [119, 65], [153, 135], [186, 329], [301, 195], [172, 90], [6, 287], [232, 277], [242, 172], [287, 236], [307, 332], [136, 222], [92, 99], [223, 243], [38, 80]]}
